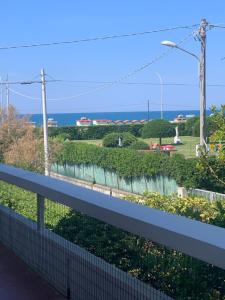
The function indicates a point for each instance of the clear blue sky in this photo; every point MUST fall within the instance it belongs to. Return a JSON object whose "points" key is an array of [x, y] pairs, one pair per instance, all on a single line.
{"points": [[46, 21]]}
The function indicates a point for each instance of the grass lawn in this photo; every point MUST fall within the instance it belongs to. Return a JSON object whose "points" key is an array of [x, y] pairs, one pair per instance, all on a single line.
{"points": [[187, 148]]}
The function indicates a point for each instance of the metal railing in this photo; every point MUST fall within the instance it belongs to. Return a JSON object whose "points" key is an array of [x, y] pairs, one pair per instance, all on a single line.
{"points": [[76, 272], [212, 196]]}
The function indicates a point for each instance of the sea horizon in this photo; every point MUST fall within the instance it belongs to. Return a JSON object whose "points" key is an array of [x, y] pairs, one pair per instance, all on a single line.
{"points": [[68, 119]]}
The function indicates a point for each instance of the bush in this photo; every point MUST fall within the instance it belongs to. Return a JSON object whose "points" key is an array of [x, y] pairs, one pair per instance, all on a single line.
{"points": [[139, 145], [158, 129], [192, 126], [94, 132], [186, 172], [176, 274], [112, 139]]}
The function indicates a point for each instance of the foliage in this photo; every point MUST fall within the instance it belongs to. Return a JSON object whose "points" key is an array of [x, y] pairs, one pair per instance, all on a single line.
{"points": [[112, 139], [218, 135], [21, 145], [139, 145], [12, 127], [186, 172], [174, 273], [192, 126], [214, 166], [158, 129], [93, 132], [26, 152]]}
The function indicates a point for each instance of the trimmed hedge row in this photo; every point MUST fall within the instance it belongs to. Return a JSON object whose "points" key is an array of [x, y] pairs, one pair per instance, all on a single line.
{"points": [[93, 132], [186, 172]]}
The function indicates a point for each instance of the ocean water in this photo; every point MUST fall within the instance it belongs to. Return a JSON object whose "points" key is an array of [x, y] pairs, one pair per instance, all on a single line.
{"points": [[70, 118]]}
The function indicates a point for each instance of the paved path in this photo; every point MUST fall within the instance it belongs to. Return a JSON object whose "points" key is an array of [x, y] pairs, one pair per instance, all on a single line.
{"points": [[18, 282]]}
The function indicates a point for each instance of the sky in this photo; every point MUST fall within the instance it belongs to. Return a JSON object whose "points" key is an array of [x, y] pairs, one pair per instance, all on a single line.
{"points": [[26, 22]]}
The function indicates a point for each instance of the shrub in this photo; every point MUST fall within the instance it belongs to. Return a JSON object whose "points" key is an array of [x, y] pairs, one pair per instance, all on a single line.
{"points": [[178, 275], [192, 126], [139, 145], [112, 139], [158, 129], [186, 172], [94, 132]]}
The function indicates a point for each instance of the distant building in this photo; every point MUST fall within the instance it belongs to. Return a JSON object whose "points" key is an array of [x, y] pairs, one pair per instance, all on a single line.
{"points": [[179, 119], [118, 122], [31, 124], [52, 123], [103, 122], [127, 122], [84, 122], [144, 121]]}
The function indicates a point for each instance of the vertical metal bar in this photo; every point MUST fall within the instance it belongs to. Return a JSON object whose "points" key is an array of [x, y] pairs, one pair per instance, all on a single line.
{"points": [[45, 122], [40, 212]]}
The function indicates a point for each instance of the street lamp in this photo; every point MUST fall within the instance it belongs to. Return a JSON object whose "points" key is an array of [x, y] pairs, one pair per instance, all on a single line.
{"points": [[174, 45], [161, 93], [202, 77]]}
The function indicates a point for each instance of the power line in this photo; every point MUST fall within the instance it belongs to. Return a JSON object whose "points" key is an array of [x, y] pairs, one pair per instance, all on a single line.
{"points": [[217, 26], [28, 82], [97, 38], [138, 83], [104, 86], [23, 95]]}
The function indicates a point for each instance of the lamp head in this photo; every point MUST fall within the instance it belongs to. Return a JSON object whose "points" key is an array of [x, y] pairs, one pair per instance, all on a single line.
{"points": [[169, 44]]}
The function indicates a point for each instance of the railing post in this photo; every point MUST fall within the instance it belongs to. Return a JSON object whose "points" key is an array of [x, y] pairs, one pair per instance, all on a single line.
{"points": [[40, 212]]}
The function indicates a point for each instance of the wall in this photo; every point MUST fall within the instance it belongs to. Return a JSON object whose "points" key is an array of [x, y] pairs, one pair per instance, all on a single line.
{"points": [[95, 174]]}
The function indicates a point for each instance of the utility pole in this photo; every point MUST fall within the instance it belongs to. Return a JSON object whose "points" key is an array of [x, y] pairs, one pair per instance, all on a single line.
{"points": [[7, 95], [1, 95], [202, 80], [148, 110], [45, 125]]}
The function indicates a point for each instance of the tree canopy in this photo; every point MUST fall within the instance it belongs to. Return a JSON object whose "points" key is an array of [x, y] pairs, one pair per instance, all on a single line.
{"points": [[158, 129]]}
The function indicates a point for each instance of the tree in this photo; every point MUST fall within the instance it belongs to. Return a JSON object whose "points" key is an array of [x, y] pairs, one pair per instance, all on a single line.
{"points": [[26, 152], [158, 129], [216, 165], [192, 126], [20, 144], [12, 127]]}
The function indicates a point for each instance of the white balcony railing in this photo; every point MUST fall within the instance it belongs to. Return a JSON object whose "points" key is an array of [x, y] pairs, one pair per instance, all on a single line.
{"points": [[198, 240]]}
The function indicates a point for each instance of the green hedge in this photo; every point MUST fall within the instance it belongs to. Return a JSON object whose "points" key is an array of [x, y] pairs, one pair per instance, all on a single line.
{"points": [[94, 132], [139, 145], [186, 172]]}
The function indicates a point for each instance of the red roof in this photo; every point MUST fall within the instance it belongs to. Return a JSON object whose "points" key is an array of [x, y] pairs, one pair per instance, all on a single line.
{"points": [[84, 121], [103, 121]]}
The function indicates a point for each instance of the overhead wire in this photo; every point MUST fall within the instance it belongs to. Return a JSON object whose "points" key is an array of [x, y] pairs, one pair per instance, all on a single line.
{"points": [[97, 38], [123, 78], [138, 83]]}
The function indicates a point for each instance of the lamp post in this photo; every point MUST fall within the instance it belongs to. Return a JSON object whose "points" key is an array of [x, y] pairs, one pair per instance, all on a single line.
{"points": [[161, 93], [202, 77]]}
